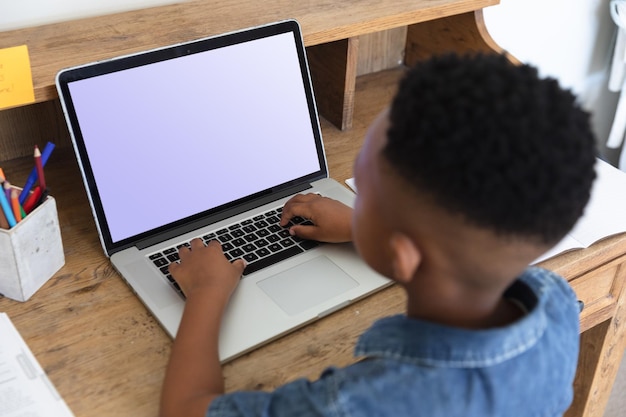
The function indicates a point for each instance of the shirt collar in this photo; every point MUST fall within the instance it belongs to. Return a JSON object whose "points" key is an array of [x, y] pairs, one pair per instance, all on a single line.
{"points": [[430, 344]]}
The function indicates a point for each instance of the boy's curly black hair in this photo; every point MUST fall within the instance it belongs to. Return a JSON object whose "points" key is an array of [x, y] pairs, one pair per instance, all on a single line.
{"points": [[493, 141]]}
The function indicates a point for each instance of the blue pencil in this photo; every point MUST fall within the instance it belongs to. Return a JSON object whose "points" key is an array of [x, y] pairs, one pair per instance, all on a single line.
{"points": [[6, 208], [30, 181]]}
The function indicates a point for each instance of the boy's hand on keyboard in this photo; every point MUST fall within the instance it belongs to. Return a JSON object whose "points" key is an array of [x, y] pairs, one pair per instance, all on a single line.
{"points": [[205, 269], [332, 220]]}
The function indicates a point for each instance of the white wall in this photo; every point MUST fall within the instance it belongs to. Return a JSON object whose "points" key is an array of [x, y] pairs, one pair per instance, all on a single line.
{"points": [[25, 13], [570, 40]]}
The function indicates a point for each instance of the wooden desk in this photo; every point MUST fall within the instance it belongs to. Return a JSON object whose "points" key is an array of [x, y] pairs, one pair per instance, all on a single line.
{"points": [[103, 350], [106, 354]]}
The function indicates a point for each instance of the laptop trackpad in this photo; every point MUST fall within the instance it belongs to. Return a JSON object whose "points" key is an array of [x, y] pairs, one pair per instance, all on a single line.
{"points": [[307, 285]]}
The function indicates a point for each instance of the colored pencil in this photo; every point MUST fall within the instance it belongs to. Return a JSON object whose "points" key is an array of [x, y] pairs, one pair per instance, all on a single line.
{"points": [[39, 165], [6, 207], [32, 200], [3, 220], [15, 205], [32, 177], [7, 189]]}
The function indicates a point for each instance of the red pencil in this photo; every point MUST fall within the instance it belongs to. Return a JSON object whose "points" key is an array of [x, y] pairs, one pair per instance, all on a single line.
{"points": [[32, 199], [39, 165]]}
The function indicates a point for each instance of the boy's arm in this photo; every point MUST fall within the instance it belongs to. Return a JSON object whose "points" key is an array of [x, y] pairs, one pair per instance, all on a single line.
{"points": [[332, 220], [194, 376]]}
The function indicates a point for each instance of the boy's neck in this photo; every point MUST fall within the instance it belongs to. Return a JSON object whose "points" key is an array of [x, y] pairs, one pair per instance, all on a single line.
{"points": [[484, 313]]}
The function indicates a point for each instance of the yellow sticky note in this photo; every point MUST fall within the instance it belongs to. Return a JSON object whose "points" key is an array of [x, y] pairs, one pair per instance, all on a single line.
{"points": [[16, 80]]}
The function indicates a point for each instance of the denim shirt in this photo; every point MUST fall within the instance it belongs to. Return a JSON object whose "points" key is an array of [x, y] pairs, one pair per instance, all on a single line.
{"points": [[418, 368]]}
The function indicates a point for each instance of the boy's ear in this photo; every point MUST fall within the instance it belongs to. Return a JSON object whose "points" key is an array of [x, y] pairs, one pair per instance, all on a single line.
{"points": [[406, 257]]}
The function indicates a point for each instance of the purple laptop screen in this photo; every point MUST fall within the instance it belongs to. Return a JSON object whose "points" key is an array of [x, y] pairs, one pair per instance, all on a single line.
{"points": [[178, 137]]}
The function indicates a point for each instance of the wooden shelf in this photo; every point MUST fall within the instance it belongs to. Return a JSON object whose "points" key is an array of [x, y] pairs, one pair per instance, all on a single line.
{"points": [[332, 24]]}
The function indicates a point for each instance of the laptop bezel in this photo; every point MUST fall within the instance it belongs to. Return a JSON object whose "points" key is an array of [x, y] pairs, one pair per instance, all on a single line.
{"points": [[207, 217]]}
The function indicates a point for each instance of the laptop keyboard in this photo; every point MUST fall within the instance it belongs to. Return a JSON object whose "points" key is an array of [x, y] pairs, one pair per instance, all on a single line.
{"points": [[260, 240]]}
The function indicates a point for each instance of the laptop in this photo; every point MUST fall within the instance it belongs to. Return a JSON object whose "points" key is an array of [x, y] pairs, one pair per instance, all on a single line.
{"points": [[208, 139]]}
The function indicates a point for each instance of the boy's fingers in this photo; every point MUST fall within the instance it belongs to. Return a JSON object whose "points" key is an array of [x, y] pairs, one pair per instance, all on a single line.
{"points": [[196, 243], [297, 206], [172, 267], [290, 211], [304, 232], [215, 244], [240, 264]]}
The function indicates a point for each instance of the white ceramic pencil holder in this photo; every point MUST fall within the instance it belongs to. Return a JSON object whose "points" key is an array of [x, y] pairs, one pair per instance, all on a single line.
{"points": [[31, 252]]}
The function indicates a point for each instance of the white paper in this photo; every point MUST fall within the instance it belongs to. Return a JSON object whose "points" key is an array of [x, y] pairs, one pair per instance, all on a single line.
{"points": [[350, 182], [25, 390], [605, 214]]}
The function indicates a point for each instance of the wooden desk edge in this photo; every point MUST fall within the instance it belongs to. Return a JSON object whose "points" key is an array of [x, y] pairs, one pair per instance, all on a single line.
{"points": [[574, 263]]}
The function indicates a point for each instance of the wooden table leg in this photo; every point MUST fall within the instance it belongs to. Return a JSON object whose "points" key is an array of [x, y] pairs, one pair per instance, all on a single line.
{"points": [[601, 351]]}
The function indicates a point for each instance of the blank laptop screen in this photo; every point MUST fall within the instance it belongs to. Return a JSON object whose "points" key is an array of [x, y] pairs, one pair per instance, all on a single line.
{"points": [[181, 136]]}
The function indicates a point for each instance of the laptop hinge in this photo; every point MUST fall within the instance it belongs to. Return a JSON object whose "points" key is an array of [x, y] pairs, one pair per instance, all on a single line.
{"points": [[214, 218]]}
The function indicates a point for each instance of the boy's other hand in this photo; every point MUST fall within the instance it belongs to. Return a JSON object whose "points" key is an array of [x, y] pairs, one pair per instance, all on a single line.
{"points": [[205, 268], [332, 220]]}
